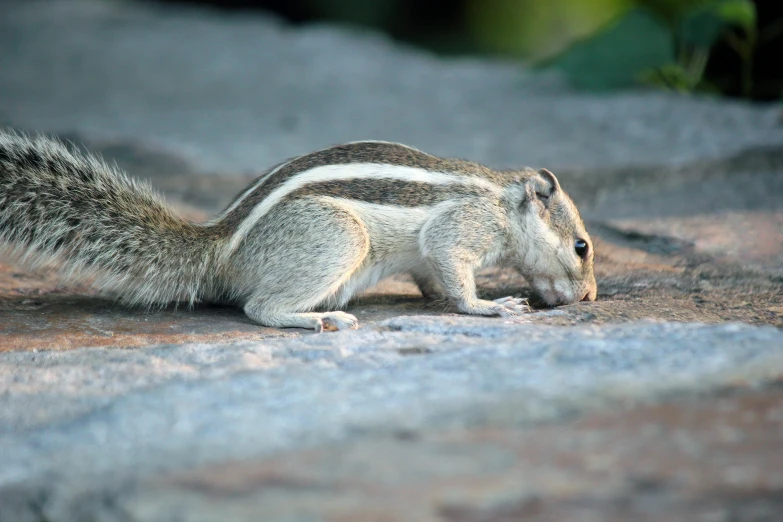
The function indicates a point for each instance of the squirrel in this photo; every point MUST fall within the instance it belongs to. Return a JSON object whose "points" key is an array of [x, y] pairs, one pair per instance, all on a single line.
{"points": [[303, 238]]}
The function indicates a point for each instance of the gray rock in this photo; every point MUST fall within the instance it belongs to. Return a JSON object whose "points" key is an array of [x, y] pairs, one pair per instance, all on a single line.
{"points": [[101, 418], [235, 92]]}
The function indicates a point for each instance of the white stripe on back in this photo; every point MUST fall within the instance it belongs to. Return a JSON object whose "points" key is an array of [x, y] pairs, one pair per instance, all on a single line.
{"points": [[274, 171], [343, 172], [248, 191]]}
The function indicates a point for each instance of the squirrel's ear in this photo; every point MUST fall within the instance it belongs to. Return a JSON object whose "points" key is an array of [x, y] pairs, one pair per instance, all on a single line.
{"points": [[543, 186], [550, 179]]}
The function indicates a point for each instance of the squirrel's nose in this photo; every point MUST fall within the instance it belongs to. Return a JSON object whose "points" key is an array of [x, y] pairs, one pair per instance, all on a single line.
{"points": [[588, 297]]}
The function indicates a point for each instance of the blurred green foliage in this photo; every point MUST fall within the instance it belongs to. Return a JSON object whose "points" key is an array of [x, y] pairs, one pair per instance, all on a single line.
{"points": [[535, 30], [620, 55], [603, 44], [695, 27], [720, 46]]}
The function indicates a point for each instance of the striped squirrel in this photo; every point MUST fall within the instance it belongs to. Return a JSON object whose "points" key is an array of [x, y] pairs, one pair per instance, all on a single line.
{"points": [[306, 235]]}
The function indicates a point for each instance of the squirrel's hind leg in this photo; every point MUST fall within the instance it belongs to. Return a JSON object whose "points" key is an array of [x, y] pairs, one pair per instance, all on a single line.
{"points": [[308, 250], [318, 321]]}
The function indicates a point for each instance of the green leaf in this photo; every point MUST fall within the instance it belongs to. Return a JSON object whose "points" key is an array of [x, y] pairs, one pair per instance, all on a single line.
{"points": [[672, 10], [538, 30], [703, 25], [615, 57], [738, 12]]}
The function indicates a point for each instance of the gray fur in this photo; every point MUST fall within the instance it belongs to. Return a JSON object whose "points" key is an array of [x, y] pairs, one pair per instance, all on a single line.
{"points": [[308, 235], [61, 206]]}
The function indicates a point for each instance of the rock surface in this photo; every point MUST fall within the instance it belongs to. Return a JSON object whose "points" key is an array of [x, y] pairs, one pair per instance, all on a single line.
{"points": [[80, 418], [707, 459], [660, 401]]}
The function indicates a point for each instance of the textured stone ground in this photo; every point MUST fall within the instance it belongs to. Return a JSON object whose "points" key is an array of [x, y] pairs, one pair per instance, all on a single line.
{"points": [[660, 401]]}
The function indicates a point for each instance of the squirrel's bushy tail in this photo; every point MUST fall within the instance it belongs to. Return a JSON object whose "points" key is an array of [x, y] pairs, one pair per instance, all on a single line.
{"points": [[96, 224]]}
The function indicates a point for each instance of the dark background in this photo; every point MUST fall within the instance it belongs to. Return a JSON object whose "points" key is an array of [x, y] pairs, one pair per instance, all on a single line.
{"points": [[619, 50]]}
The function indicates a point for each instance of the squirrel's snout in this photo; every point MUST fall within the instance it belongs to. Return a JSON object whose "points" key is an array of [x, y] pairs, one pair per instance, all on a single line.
{"points": [[554, 296], [592, 292]]}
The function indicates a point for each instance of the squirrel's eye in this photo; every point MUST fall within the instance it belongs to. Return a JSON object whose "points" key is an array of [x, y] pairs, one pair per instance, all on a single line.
{"points": [[580, 246]]}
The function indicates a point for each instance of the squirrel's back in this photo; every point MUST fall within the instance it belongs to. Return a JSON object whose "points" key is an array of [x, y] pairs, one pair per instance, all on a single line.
{"points": [[60, 205]]}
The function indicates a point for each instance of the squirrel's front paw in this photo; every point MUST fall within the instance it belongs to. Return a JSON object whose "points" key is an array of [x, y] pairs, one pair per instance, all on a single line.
{"points": [[504, 307], [510, 306]]}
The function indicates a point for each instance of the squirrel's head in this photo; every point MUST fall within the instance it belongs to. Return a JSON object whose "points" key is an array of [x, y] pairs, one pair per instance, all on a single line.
{"points": [[553, 250]]}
